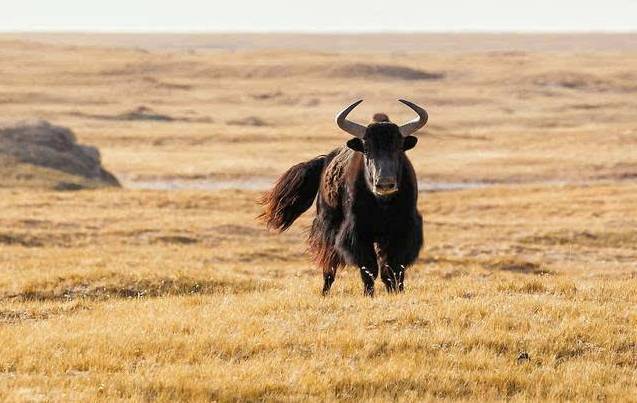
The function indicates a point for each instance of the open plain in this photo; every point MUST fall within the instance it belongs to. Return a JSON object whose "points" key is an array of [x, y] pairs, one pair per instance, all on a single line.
{"points": [[169, 289]]}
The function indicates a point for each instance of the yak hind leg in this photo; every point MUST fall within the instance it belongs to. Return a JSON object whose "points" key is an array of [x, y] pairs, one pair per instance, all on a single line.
{"points": [[330, 266], [322, 246], [329, 260], [329, 275]]}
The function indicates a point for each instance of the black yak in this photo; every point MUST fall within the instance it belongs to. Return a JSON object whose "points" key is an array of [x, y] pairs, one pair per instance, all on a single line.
{"points": [[366, 213]]}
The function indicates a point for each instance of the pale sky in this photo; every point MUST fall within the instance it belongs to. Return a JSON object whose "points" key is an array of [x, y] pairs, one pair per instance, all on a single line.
{"points": [[318, 15]]}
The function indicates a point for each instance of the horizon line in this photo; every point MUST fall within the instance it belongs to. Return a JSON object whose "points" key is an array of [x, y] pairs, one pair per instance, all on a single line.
{"points": [[316, 32]]}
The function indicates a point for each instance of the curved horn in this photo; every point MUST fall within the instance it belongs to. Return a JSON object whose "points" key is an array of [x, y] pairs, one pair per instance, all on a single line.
{"points": [[413, 126], [350, 127]]}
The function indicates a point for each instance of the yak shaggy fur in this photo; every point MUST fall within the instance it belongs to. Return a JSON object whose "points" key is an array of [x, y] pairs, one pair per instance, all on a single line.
{"points": [[353, 225]]}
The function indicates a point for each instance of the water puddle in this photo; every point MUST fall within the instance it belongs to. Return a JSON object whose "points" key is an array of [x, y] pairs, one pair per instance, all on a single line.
{"points": [[207, 184], [263, 184]]}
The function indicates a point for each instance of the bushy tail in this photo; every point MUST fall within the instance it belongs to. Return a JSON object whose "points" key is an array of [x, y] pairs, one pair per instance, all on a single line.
{"points": [[292, 194]]}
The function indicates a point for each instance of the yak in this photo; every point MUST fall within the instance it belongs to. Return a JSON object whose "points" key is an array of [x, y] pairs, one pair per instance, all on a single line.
{"points": [[366, 213]]}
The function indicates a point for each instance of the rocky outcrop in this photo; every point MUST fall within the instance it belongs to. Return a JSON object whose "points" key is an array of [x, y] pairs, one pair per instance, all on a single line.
{"points": [[54, 148]]}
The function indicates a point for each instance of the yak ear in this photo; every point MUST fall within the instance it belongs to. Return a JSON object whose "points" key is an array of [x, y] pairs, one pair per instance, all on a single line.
{"points": [[356, 144], [409, 142]]}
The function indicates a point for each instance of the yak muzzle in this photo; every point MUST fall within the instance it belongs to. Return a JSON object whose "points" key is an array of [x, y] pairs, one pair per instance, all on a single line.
{"points": [[385, 186]]}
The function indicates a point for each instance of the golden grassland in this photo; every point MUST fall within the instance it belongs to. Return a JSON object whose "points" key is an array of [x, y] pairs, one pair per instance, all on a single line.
{"points": [[495, 116], [147, 295], [526, 290]]}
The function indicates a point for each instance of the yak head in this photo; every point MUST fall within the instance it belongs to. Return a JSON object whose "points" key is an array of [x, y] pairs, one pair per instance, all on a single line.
{"points": [[382, 144]]}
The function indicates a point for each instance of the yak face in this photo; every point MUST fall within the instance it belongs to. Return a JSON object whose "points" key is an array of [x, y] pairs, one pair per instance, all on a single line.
{"points": [[383, 145], [383, 149]]}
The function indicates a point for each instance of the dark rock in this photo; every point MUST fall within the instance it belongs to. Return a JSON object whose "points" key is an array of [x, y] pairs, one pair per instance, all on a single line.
{"points": [[248, 121], [68, 186], [45, 145], [144, 113], [523, 356]]}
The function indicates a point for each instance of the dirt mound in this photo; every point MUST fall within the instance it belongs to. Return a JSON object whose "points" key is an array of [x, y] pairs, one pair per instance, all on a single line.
{"points": [[39, 152], [570, 80], [115, 285], [363, 70], [248, 121], [142, 113], [145, 113]]}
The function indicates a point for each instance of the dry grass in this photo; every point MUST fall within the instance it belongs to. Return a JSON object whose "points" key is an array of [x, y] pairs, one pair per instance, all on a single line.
{"points": [[524, 292], [495, 116], [155, 295]]}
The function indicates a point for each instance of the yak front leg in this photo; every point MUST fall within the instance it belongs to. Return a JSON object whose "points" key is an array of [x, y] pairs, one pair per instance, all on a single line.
{"points": [[366, 261], [400, 275], [358, 251], [368, 275], [393, 276], [392, 272], [387, 274], [398, 251]]}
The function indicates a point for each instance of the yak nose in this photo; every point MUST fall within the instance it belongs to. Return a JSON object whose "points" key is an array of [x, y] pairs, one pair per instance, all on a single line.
{"points": [[386, 186]]}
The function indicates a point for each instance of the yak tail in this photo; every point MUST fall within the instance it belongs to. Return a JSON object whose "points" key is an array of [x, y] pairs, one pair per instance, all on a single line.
{"points": [[292, 194]]}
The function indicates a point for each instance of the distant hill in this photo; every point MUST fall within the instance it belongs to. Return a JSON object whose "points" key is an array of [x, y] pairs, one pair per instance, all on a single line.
{"points": [[363, 42]]}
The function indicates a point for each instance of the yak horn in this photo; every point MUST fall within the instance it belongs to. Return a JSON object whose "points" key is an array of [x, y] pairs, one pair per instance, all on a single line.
{"points": [[350, 127], [413, 126]]}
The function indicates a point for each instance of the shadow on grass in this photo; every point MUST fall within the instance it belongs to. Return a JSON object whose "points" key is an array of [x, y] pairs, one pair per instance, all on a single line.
{"points": [[121, 286]]}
